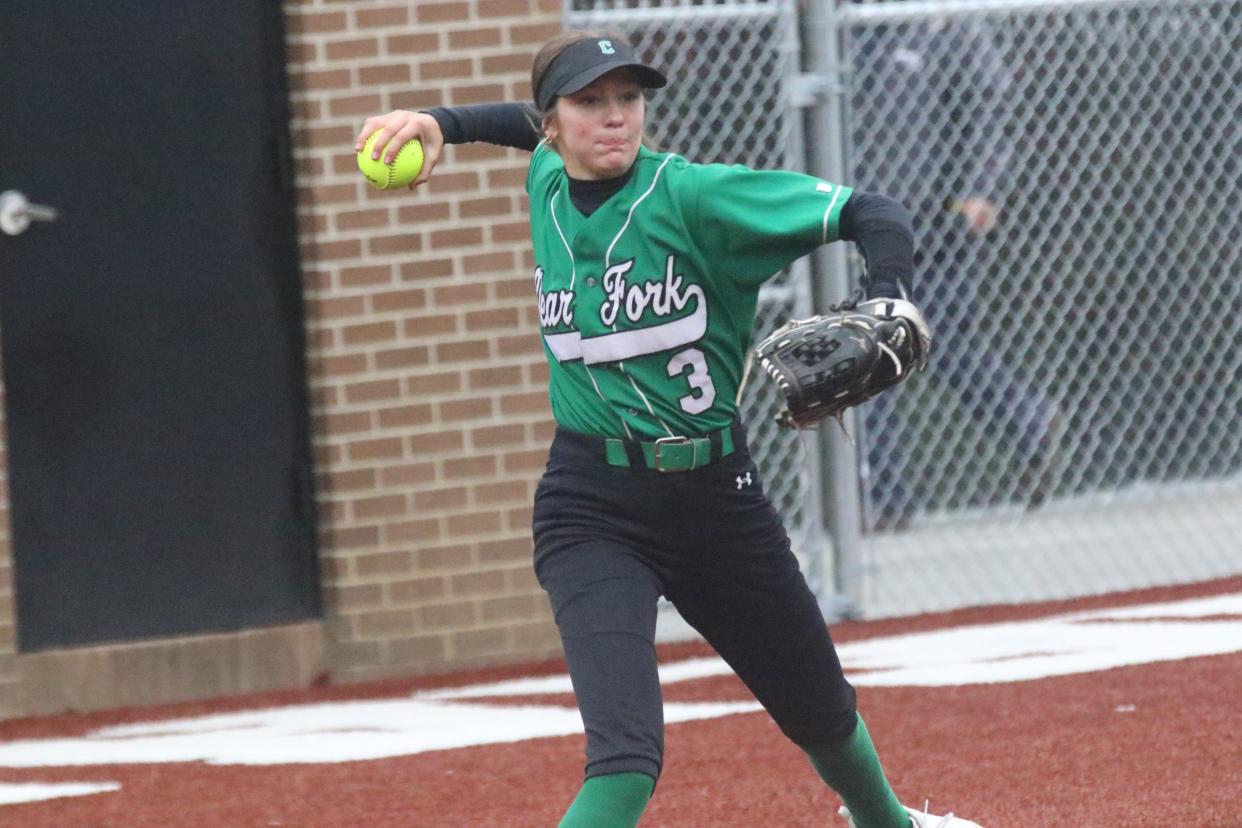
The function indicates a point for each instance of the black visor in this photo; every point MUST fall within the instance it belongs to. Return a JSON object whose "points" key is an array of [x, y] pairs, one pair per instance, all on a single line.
{"points": [[584, 62]]}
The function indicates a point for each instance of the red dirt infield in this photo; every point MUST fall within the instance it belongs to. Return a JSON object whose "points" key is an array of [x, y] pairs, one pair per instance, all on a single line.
{"points": [[1156, 744]]}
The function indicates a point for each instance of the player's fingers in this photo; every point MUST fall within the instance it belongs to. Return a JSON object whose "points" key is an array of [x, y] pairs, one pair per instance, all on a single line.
{"points": [[369, 126], [431, 156], [433, 151], [399, 139], [433, 147], [429, 164], [382, 138], [385, 127]]}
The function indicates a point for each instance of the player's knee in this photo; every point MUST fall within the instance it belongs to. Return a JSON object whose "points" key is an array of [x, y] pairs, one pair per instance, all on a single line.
{"points": [[832, 722]]}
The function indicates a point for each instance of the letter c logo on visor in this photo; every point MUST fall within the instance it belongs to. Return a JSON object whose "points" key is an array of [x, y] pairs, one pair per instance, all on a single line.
{"points": [[605, 46]]}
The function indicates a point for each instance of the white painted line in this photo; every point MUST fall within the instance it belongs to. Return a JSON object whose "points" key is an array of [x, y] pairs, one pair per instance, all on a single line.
{"points": [[1079, 642], [323, 733], [12, 793]]}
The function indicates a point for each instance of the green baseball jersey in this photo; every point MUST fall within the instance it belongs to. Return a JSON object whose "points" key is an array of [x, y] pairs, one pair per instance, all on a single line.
{"points": [[647, 305]]}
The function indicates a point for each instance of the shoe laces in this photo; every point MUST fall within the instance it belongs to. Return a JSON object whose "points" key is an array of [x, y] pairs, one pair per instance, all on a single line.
{"points": [[946, 821]]}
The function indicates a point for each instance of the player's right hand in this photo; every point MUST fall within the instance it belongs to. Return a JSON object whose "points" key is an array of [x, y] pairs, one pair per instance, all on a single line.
{"points": [[398, 128]]}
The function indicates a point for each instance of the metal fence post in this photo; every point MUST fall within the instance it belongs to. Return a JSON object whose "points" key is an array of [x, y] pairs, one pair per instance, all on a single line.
{"points": [[841, 596]]}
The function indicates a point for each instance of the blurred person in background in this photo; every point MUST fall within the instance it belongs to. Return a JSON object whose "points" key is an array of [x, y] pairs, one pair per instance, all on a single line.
{"points": [[936, 93]]}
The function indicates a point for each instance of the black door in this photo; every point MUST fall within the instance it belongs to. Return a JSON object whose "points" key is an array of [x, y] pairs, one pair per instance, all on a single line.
{"points": [[152, 335]]}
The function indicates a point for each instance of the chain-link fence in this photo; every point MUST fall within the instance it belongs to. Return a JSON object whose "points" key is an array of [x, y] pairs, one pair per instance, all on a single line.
{"points": [[1073, 170]]}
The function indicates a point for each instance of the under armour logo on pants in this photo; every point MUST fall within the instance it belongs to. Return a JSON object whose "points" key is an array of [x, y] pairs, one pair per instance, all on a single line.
{"points": [[744, 481]]}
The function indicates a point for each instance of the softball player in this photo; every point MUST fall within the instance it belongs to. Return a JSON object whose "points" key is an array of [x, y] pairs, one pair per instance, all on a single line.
{"points": [[647, 270]]}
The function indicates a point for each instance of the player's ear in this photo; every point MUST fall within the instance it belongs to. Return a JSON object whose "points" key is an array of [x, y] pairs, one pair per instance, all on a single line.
{"points": [[550, 127]]}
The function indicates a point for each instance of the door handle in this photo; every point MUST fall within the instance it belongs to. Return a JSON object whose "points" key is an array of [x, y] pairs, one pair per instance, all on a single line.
{"points": [[16, 212]]}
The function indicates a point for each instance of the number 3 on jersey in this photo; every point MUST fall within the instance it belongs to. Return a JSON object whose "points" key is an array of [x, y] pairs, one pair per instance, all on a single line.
{"points": [[703, 390]]}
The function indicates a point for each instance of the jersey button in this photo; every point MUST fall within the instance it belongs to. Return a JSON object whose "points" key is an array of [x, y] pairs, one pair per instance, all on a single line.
{"points": [[590, 281], [633, 412]]}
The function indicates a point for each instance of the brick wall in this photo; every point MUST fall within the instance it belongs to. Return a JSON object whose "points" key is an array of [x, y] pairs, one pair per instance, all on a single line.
{"points": [[430, 409]]}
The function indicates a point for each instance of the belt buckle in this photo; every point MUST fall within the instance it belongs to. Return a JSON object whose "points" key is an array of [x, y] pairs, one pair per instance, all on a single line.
{"points": [[671, 441]]}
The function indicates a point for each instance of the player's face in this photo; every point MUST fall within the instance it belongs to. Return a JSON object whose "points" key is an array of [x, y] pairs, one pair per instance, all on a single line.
{"points": [[598, 129]]}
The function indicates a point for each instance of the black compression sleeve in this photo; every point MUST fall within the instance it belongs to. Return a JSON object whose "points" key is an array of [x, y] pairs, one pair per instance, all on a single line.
{"points": [[505, 124], [883, 231]]}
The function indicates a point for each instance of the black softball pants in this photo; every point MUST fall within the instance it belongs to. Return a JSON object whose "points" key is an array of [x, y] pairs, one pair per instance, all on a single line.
{"points": [[610, 540]]}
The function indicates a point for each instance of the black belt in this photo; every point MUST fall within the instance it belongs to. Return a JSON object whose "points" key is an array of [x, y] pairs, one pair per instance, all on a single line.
{"points": [[674, 454]]}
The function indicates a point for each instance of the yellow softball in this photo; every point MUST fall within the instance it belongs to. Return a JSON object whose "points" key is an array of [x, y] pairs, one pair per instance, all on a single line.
{"points": [[403, 169]]}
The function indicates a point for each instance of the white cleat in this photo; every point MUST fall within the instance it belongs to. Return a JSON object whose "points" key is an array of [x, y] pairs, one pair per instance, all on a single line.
{"points": [[921, 819]]}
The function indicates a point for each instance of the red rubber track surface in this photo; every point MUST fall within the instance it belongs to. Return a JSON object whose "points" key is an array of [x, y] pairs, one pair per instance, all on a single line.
{"points": [[1051, 752]]}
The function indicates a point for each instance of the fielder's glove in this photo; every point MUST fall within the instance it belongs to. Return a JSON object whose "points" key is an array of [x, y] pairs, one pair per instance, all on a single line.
{"points": [[826, 364]]}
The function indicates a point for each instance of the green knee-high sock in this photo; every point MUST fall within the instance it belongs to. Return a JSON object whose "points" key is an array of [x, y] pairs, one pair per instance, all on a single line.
{"points": [[615, 800], [852, 769]]}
